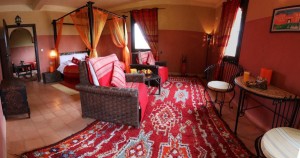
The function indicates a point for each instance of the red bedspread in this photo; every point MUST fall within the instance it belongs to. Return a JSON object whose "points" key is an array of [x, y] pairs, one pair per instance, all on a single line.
{"points": [[71, 74]]}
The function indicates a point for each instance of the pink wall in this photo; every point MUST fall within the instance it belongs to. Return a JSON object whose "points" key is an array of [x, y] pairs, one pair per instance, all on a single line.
{"points": [[277, 51], [173, 44], [68, 43], [26, 54]]}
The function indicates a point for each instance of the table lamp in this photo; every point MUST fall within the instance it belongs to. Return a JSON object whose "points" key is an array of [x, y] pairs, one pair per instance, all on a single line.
{"points": [[53, 55]]}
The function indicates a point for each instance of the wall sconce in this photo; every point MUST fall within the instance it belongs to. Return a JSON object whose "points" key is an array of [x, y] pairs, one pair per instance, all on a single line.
{"points": [[18, 20], [208, 38], [52, 64]]}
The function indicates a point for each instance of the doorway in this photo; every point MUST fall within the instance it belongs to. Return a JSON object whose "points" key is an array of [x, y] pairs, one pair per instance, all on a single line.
{"points": [[23, 47]]}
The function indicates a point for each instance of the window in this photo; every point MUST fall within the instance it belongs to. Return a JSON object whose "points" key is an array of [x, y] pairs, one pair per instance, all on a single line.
{"points": [[139, 40], [231, 48]]}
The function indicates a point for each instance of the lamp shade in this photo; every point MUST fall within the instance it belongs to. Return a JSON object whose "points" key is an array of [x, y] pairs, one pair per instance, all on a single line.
{"points": [[53, 54]]}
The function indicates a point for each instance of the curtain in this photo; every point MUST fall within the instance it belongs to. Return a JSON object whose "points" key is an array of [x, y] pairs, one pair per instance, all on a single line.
{"points": [[99, 22], [59, 26], [229, 12], [147, 19], [81, 22], [120, 38]]}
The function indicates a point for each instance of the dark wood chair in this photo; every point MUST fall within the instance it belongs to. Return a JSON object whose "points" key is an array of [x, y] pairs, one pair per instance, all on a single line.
{"points": [[220, 79]]}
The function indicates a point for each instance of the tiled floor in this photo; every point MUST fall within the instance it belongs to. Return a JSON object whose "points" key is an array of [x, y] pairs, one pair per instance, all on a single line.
{"points": [[56, 115]]}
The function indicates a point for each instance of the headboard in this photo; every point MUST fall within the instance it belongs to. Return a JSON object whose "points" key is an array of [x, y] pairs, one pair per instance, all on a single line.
{"points": [[63, 57]]}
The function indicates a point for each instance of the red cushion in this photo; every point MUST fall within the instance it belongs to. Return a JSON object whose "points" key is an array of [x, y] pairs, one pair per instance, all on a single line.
{"points": [[118, 78], [143, 95], [163, 72], [75, 61], [103, 67]]}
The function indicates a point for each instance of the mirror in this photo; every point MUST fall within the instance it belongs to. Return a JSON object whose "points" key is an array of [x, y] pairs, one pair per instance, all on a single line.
{"points": [[23, 52]]}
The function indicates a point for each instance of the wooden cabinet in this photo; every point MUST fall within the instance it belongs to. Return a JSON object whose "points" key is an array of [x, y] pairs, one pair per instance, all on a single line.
{"points": [[49, 77], [14, 97]]}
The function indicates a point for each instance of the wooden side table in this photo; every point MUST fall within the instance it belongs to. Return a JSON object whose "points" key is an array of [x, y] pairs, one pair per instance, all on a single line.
{"points": [[14, 97], [49, 77]]}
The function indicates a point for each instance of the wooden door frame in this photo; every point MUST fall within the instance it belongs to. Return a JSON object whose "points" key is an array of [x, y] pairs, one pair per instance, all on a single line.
{"points": [[32, 26]]}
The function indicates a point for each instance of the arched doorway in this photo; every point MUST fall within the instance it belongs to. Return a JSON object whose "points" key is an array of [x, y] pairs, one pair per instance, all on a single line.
{"points": [[23, 40]]}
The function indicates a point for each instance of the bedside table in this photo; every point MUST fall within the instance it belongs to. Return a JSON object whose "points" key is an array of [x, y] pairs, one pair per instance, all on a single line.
{"points": [[49, 77]]}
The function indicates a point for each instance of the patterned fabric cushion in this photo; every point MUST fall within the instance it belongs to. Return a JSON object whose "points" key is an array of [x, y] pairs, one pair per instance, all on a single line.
{"points": [[150, 60], [281, 142], [122, 64], [143, 95], [143, 57], [118, 78], [75, 61], [103, 67]]}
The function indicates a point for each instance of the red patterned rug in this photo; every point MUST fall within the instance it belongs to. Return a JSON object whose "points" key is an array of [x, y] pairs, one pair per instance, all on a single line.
{"points": [[176, 124]]}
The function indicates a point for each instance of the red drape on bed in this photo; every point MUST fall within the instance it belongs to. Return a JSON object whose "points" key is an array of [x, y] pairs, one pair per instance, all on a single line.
{"points": [[147, 19], [120, 38], [81, 22]]}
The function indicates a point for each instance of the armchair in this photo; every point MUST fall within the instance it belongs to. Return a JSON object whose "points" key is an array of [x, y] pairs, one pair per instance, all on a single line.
{"points": [[220, 79], [159, 68], [111, 104]]}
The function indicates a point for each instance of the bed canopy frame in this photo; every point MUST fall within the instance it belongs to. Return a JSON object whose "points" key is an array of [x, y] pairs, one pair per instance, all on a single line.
{"points": [[91, 21]]}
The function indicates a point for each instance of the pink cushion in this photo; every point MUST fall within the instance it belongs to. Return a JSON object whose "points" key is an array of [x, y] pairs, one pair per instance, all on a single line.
{"points": [[118, 78], [143, 95], [143, 57], [163, 72], [150, 60], [122, 64], [103, 67]]}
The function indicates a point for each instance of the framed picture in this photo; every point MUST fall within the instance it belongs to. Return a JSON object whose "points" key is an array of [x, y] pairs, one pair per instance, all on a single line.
{"points": [[286, 19]]}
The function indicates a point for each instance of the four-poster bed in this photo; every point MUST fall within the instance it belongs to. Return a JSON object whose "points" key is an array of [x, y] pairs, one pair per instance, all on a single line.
{"points": [[106, 92], [89, 21]]}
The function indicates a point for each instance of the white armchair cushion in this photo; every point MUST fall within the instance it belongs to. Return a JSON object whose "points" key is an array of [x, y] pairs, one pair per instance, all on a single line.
{"points": [[219, 86], [281, 142]]}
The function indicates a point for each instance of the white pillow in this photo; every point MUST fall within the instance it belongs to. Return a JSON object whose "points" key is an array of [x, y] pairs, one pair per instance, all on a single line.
{"points": [[95, 79]]}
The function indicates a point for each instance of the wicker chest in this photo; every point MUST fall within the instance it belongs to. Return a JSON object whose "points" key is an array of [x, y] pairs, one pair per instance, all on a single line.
{"points": [[14, 98], [49, 77]]}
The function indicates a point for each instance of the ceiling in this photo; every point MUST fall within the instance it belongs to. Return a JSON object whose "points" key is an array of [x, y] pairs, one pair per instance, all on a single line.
{"points": [[67, 5]]}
